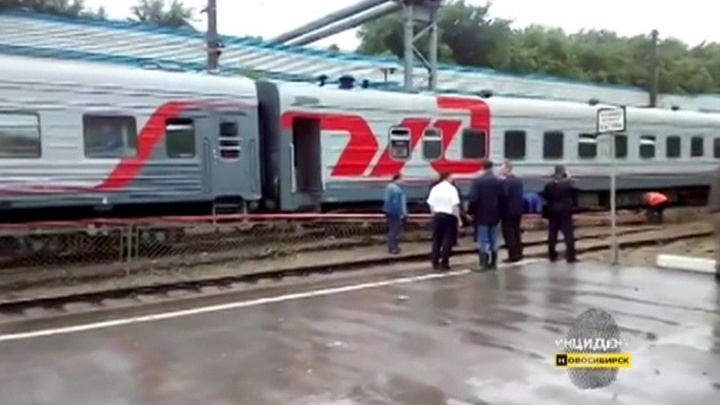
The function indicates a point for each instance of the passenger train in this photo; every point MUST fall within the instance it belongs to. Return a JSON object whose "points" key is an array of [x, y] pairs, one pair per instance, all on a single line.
{"points": [[99, 140]]}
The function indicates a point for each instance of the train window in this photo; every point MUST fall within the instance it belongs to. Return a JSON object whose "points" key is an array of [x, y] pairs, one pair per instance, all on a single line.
{"points": [[229, 140], [647, 146], [697, 146], [473, 144], [399, 143], [587, 146], [621, 146], [716, 148], [180, 138], [19, 136], [229, 130], [673, 147], [553, 145], [515, 145], [109, 136], [432, 144]]}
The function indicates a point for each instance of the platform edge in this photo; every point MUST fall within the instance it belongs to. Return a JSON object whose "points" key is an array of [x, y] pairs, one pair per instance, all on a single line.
{"points": [[687, 263]]}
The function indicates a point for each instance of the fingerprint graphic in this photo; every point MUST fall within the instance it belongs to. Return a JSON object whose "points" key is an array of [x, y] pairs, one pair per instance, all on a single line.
{"points": [[592, 324]]}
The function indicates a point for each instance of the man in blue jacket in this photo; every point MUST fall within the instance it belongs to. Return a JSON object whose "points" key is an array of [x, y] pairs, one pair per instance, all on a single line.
{"points": [[486, 197], [395, 209]]}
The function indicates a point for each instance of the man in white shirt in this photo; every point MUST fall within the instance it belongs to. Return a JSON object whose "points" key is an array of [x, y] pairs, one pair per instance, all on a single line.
{"points": [[444, 202]]}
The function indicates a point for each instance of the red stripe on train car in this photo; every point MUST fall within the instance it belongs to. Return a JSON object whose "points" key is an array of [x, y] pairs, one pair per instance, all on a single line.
{"points": [[148, 138], [360, 150], [386, 165], [479, 120]]}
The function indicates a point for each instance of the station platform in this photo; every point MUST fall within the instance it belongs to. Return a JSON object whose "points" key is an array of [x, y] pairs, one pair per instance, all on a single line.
{"points": [[457, 339]]}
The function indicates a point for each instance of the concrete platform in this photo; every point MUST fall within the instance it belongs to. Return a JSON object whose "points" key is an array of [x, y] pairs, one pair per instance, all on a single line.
{"points": [[461, 339]]}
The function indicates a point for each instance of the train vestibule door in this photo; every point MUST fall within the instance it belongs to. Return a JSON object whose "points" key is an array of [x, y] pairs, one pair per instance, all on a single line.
{"points": [[228, 154], [307, 156]]}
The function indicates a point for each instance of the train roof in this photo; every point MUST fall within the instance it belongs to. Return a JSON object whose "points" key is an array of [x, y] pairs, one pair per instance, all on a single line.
{"points": [[38, 71], [363, 98], [402, 100]]}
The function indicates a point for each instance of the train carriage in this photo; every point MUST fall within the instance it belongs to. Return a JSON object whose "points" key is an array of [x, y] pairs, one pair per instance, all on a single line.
{"points": [[336, 146], [79, 136]]}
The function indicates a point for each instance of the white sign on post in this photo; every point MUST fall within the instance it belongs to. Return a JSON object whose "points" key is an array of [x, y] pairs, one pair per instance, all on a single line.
{"points": [[610, 120]]}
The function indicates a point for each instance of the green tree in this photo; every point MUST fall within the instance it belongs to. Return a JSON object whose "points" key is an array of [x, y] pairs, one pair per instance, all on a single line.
{"points": [[69, 8], [174, 15], [384, 36], [470, 36]]}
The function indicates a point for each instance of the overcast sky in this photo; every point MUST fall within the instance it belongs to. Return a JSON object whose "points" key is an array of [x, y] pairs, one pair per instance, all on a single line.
{"points": [[693, 21]]}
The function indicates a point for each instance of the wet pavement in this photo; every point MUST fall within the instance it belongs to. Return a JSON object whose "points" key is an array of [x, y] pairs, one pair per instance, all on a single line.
{"points": [[470, 339]]}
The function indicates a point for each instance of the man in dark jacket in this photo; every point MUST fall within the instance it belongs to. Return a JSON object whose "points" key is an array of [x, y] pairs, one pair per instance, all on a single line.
{"points": [[560, 196], [485, 200], [512, 211]]}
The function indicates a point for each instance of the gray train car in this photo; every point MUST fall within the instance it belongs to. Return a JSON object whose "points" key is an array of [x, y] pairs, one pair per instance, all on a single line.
{"points": [[78, 135], [327, 145]]}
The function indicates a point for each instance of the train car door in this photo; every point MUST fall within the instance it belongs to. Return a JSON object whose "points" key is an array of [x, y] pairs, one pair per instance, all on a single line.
{"points": [[235, 164], [306, 156], [226, 168]]}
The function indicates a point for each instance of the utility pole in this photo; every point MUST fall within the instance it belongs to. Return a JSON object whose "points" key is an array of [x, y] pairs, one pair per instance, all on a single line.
{"points": [[654, 69], [213, 44], [423, 11]]}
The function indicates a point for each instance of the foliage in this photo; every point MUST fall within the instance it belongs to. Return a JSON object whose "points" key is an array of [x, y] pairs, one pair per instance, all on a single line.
{"points": [[157, 11], [69, 8], [470, 36], [174, 14]]}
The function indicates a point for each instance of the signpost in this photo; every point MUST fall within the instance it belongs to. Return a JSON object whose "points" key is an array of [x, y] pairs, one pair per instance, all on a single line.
{"points": [[611, 121]]}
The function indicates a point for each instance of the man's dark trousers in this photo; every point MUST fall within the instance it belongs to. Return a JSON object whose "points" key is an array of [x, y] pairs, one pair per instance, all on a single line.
{"points": [[442, 241], [511, 235], [561, 223], [394, 228]]}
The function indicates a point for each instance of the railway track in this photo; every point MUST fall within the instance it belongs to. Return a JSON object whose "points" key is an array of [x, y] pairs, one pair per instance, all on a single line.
{"points": [[29, 312]]}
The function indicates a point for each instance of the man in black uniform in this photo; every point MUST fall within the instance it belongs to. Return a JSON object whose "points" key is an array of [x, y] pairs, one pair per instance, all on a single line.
{"points": [[485, 199], [512, 211], [560, 195]]}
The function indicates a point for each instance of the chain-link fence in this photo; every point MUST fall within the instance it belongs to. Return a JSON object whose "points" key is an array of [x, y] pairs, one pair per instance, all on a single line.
{"points": [[162, 242], [122, 245]]}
